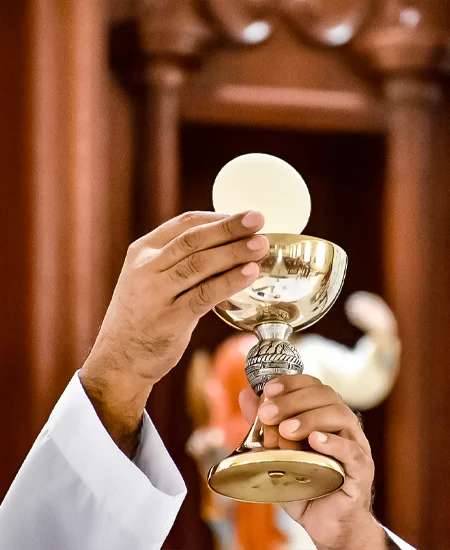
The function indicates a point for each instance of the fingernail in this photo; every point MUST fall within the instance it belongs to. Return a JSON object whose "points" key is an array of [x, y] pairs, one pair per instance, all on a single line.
{"points": [[251, 269], [257, 242], [252, 219], [321, 438], [271, 389], [291, 425], [269, 411]]}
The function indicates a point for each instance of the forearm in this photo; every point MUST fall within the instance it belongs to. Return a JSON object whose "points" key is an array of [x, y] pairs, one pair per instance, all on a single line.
{"points": [[119, 402]]}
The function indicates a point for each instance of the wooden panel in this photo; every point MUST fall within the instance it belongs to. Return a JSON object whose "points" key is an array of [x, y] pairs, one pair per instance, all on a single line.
{"points": [[406, 263], [121, 171], [268, 85], [435, 374], [417, 235], [15, 417], [70, 199], [406, 47]]}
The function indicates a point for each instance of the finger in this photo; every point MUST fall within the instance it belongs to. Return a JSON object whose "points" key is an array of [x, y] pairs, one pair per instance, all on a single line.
{"points": [[201, 299], [169, 230], [287, 405], [362, 438], [355, 461], [202, 265], [311, 397], [337, 418], [209, 235], [270, 437], [248, 402], [332, 418], [289, 383]]}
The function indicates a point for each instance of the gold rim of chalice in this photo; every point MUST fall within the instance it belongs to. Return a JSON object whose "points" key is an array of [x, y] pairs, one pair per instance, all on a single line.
{"points": [[301, 278]]}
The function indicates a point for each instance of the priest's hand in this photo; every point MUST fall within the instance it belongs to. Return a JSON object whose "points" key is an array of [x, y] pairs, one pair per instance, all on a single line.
{"points": [[171, 277], [303, 408]]}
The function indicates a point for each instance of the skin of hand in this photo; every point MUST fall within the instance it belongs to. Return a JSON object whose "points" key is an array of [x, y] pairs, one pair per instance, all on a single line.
{"points": [[170, 279], [301, 408]]}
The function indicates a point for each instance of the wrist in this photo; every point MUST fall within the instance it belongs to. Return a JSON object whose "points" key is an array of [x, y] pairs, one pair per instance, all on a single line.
{"points": [[365, 532], [118, 397], [368, 533], [113, 376]]}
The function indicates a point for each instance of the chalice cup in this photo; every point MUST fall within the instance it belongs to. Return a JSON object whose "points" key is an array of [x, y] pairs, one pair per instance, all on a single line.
{"points": [[300, 279]]}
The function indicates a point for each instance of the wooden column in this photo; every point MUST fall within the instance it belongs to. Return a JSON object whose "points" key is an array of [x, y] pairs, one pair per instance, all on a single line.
{"points": [[405, 53], [67, 144], [172, 36], [161, 188], [408, 264]]}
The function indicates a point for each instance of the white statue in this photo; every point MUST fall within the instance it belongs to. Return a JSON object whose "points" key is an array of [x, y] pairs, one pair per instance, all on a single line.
{"points": [[362, 375]]}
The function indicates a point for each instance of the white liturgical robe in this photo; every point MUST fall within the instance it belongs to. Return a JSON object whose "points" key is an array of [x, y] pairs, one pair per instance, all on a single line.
{"points": [[77, 491]]}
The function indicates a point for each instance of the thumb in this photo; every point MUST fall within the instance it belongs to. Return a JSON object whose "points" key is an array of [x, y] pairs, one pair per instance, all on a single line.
{"points": [[249, 403]]}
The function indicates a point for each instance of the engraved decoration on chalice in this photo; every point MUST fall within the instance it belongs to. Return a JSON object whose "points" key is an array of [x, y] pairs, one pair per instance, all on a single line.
{"points": [[300, 279]]}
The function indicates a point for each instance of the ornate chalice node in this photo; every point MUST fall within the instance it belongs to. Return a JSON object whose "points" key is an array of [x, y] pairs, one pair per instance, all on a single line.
{"points": [[300, 279]]}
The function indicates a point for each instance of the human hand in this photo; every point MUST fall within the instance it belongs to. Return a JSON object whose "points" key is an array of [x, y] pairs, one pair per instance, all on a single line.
{"points": [[303, 408], [171, 277]]}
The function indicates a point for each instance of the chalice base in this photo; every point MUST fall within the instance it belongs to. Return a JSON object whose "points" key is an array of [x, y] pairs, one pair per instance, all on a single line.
{"points": [[276, 476]]}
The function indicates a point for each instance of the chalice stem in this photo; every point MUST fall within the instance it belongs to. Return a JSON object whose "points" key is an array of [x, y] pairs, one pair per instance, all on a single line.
{"points": [[272, 356]]}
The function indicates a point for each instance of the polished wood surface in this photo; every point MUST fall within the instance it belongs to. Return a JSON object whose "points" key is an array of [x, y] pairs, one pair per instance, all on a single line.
{"points": [[117, 115], [15, 247], [70, 195], [406, 54], [408, 253]]}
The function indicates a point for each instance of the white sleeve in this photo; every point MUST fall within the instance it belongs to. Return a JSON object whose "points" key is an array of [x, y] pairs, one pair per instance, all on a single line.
{"points": [[398, 541], [76, 489]]}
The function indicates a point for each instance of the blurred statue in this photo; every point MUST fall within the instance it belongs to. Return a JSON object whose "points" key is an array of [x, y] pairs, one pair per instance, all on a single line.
{"points": [[220, 426], [363, 375]]}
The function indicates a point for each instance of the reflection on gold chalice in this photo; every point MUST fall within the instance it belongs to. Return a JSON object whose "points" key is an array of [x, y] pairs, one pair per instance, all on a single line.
{"points": [[300, 279]]}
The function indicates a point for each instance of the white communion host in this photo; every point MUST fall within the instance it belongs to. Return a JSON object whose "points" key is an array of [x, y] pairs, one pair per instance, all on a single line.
{"points": [[98, 476]]}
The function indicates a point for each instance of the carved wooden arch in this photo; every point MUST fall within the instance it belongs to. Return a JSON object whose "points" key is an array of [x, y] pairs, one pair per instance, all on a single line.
{"points": [[250, 22]]}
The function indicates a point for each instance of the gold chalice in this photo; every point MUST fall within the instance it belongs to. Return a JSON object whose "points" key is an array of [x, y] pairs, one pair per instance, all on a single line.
{"points": [[301, 278]]}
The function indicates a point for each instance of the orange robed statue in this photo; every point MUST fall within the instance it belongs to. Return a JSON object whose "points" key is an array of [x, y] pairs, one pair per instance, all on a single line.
{"points": [[213, 399]]}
